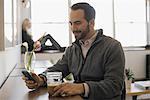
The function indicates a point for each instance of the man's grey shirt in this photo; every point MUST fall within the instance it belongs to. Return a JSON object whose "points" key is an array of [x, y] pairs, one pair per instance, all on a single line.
{"points": [[102, 68]]}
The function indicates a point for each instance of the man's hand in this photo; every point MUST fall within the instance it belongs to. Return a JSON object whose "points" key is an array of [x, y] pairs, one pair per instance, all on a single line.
{"points": [[31, 84], [69, 89]]}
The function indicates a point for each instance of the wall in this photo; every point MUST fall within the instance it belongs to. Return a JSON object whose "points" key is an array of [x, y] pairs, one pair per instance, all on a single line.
{"points": [[2, 68], [1, 25], [8, 59], [136, 60], [11, 56]]}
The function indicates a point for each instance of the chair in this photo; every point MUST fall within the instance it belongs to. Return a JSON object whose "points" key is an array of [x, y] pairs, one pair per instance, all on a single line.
{"points": [[123, 95]]}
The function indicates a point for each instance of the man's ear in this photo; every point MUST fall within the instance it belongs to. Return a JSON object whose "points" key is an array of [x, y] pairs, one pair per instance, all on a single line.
{"points": [[92, 22]]}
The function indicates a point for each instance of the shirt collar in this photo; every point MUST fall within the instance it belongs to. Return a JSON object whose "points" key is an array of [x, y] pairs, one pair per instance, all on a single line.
{"points": [[89, 41]]}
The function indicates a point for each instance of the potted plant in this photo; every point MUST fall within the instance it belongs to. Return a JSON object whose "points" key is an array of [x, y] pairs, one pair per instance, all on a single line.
{"points": [[69, 78], [129, 77], [29, 58]]}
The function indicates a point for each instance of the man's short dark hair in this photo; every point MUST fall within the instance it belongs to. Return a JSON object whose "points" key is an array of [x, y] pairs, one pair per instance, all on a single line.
{"points": [[89, 11]]}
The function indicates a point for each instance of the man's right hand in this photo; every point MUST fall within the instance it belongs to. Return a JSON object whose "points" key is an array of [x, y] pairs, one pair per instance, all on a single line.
{"points": [[31, 84]]}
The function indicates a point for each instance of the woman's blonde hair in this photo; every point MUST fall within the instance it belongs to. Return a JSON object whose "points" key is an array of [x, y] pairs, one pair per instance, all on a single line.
{"points": [[25, 23]]}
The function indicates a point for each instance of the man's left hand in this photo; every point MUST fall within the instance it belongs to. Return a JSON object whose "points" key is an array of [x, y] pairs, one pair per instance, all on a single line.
{"points": [[68, 89]]}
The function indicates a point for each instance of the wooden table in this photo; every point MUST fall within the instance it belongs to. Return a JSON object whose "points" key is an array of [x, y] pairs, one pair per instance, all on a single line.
{"points": [[15, 89], [135, 91]]}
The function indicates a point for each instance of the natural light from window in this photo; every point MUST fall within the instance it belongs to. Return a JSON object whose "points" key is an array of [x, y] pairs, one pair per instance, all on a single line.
{"points": [[128, 25], [50, 17], [8, 23], [130, 22]]}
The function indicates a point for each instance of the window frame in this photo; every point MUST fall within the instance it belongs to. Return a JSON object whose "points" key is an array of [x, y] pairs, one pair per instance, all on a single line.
{"points": [[2, 45], [2, 25]]}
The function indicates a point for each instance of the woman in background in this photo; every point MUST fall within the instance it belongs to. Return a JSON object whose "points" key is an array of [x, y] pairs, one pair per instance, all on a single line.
{"points": [[27, 36], [39, 45]]}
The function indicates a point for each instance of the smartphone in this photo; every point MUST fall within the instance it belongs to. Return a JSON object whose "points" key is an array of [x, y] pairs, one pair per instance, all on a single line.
{"points": [[28, 75]]}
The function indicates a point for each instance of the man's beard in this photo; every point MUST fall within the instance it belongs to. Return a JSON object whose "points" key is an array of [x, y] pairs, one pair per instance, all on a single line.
{"points": [[83, 34]]}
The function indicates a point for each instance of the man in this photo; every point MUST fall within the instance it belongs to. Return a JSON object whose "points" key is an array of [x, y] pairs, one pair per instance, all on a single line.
{"points": [[95, 60]]}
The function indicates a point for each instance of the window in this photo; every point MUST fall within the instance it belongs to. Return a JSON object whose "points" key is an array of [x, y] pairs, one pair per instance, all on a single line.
{"points": [[50, 16], [15, 22], [124, 20], [8, 23], [130, 22], [10, 28]]}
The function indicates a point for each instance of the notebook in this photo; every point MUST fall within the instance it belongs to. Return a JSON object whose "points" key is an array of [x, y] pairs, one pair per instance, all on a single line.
{"points": [[143, 84]]}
